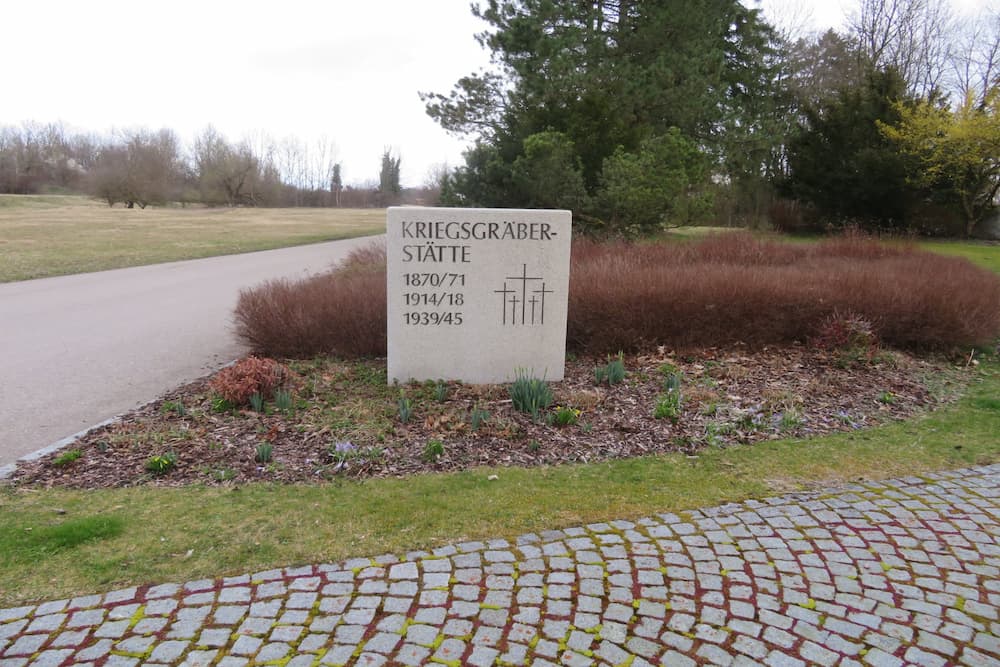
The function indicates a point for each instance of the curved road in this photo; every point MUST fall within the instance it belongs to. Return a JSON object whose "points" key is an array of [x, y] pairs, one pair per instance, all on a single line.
{"points": [[77, 350]]}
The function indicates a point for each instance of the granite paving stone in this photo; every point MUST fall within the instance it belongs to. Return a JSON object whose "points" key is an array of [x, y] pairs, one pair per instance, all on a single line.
{"points": [[901, 572]]}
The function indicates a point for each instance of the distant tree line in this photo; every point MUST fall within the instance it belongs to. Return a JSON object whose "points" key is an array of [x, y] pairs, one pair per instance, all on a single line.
{"points": [[641, 115], [140, 168]]}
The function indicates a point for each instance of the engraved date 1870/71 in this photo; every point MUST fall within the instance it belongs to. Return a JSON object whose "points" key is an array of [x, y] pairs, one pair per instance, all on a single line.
{"points": [[434, 279]]}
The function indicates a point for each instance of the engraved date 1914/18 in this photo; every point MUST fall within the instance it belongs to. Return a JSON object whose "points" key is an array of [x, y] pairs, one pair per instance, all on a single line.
{"points": [[425, 318], [434, 299]]}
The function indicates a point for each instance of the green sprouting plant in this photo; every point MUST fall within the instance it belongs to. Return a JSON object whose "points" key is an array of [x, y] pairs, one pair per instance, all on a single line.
{"points": [[529, 394], [668, 406], [264, 453], [440, 391], [845, 418], [667, 369], [534, 446], [220, 404], [616, 369], [161, 464], [714, 432], [710, 409], [283, 400], [671, 376], [177, 407], [887, 398], [257, 402], [373, 453], [341, 452], [102, 446], [180, 434], [749, 420], [223, 474], [404, 409], [613, 372], [433, 450], [67, 457], [790, 420], [564, 416], [478, 417]]}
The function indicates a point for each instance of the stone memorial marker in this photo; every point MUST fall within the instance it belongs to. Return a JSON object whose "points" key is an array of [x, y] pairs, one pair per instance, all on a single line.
{"points": [[477, 294]]}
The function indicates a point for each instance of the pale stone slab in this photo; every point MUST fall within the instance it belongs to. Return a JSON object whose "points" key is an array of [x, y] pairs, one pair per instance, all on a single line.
{"points": [[477, 294]]}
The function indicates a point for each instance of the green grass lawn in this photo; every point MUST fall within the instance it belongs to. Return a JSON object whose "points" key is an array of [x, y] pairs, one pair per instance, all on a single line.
{"points": [[54, 235], [60, 543], [983, 253]]}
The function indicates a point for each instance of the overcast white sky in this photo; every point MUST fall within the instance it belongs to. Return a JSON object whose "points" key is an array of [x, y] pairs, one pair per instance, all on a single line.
{"points": [[345, 70]]}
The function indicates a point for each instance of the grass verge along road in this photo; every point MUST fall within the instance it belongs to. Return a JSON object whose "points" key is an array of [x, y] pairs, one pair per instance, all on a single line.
{"points": [[53, 235]]}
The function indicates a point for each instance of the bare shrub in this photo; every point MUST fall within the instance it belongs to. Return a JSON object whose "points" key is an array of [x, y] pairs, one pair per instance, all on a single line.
{"points": [[366, 258], [342, 312], [726, 289], [845, 331], [249, 376], [734, 288], [791, 217]]}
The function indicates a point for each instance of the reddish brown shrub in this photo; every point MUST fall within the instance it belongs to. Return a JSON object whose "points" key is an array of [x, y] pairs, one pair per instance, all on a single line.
{"points": [[721, 290], [249, 376], [845, 331], [790, 217], [342, 312], [734, 288], [365, 258]]}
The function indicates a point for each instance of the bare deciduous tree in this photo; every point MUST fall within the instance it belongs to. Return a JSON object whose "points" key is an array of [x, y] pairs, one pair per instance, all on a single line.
{"points": [[137, 168], [912, 36], [821, 66], [976, 61], [227, 174]]}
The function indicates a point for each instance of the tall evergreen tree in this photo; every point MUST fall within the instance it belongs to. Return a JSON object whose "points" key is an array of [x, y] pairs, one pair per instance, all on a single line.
{"points": [[388, 177], [843, 165], [607, 75]]}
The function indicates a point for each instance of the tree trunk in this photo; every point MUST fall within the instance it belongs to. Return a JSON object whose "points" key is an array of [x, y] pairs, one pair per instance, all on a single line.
{"points": [[970, 218]]}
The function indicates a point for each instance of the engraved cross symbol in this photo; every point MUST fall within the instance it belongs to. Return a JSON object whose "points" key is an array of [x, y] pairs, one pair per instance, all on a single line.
{"points": [[541, 292], [535, 297], [503, 297]]}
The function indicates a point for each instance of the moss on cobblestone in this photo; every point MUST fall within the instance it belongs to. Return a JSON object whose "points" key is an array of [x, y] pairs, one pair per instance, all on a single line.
{"points": [[139, 614]]}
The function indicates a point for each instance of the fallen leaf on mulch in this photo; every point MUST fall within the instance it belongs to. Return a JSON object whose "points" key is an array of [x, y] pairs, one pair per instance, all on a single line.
{"points": [[728, 397]]}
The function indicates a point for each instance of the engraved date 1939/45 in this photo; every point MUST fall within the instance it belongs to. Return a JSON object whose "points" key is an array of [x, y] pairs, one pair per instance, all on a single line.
{"points": [[425, 318]]}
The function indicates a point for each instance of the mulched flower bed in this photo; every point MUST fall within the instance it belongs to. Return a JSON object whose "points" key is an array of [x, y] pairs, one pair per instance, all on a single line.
{"points": [[345, 421]]}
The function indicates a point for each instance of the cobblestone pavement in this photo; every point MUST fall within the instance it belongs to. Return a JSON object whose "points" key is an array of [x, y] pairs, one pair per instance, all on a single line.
{"points": [[886, 574]]}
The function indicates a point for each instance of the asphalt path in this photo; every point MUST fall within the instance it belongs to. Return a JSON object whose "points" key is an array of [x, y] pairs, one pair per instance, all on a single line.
{"points": [[78, 350]]}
